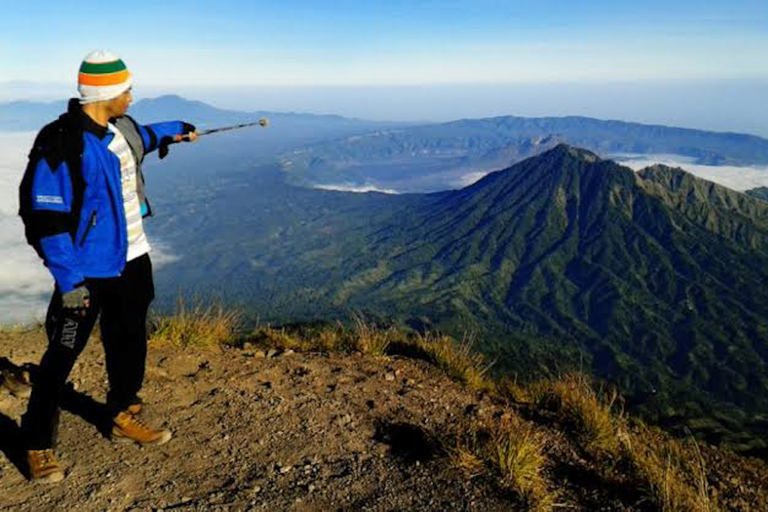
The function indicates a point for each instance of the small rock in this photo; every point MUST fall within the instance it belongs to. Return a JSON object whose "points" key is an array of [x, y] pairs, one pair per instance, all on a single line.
{"points": [[259, 354], [272, 352], [389, 376], [286, 469], [288, 352], [311, 488], [257, 489], [248, 346]]}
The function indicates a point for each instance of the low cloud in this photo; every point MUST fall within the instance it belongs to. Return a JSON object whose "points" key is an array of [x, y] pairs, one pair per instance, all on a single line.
{"points": [[736, 178], [161, 254], [470, 178], [361, 189], [25, 284]]}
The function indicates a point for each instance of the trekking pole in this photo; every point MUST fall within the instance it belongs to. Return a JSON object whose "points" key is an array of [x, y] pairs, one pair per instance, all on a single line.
{"points": [[263, 122]]}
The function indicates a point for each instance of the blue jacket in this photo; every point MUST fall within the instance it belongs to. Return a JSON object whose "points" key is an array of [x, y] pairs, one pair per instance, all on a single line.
{"points": [[71, 198]]}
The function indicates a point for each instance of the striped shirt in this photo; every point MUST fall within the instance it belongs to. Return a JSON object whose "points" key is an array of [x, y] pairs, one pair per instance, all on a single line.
{"points": [[137, 240]]}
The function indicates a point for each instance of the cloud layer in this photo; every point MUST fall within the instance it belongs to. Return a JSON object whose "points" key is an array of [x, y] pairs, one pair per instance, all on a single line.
{"points": [[25, 285], [360, 189]]}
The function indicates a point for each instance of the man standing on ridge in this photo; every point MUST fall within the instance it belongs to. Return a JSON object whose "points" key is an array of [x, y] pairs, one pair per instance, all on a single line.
{"points": [[82, 202]]}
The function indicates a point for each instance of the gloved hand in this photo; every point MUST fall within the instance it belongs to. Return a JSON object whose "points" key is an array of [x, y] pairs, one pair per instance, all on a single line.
{"points": [[79, 298], [189, 135]]}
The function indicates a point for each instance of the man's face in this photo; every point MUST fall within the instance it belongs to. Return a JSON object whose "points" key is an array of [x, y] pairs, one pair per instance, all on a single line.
{"points": [[119, 106]]}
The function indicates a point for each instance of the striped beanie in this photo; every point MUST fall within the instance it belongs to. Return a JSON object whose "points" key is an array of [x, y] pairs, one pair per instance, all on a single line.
{"points": [[102, 76]]}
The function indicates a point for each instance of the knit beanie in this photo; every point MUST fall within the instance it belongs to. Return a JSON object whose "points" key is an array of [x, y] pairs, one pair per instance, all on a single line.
{"points": [[102, 76]]}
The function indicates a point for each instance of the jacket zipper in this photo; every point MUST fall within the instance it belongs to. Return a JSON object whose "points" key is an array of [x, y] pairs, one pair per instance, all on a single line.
{"points": [[91, 223]]}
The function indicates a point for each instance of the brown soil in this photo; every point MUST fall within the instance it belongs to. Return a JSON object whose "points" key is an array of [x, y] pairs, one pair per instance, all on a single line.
{"points": [[286, 432], [269, 430]]}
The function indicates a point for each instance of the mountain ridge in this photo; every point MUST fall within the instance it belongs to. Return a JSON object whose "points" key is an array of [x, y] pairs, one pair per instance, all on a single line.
{"points": [[562, 261]]}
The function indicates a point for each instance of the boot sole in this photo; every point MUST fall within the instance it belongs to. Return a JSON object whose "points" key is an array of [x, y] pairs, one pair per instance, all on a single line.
{"points": [[51, 478], [118, 439]]}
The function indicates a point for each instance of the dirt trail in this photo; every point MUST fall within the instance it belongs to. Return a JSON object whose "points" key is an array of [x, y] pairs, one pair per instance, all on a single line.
{"points": [[254, 431]]}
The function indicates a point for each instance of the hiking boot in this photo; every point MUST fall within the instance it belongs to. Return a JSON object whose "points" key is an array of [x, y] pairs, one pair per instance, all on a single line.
{"points": [[44, 467], [127, 428], [17, 382]]}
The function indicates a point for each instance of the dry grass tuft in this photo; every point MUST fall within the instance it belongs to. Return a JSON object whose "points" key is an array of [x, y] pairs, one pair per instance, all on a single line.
{"points": [[511, 449], [464, 448], [517, 451], [363, 337], [458, 360], [200, 326], [664, 468], [370, 339], [586, 414]]}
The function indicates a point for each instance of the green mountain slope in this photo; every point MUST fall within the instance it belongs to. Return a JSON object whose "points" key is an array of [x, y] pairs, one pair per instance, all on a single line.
{"points": [[759, 192], [654, 280], [579, 257]]}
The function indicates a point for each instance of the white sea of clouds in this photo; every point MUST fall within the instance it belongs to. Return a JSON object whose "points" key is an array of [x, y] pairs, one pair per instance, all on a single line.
{"points": [[733, 177], [25, 284]]}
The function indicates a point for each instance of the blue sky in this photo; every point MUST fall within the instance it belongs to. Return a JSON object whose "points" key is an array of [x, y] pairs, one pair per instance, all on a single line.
{"points": [[218, 44], [298, 42]]}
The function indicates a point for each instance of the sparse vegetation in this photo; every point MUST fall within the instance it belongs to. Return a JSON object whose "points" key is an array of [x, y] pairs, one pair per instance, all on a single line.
{"points": [[511, 449], [457, 359], [371, 340], [517, 452], [200, 326], [668, 473], [592, 419]]}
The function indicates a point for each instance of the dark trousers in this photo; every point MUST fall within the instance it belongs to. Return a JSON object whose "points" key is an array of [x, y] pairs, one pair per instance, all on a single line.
{"points": [[123, 303]]}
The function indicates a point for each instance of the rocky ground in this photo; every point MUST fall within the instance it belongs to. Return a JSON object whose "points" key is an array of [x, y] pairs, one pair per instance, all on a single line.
{"points": [[254, 430], [265, 429]]}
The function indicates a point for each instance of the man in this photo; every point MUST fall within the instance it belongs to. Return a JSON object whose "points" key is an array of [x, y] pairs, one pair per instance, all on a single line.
{"points": [[82, 202]]}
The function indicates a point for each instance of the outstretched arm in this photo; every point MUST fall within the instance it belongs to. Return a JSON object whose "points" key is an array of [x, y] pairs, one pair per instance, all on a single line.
{"points": [[157, 135]]}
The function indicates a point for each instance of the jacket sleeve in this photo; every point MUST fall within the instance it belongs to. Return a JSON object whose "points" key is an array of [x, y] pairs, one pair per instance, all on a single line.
{"points": [[51, 199], [153, 134]]}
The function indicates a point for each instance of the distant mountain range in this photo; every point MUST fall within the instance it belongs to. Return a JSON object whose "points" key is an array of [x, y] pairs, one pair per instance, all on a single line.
{"points": [[435, 157], [29, 115], [655, 280], [336, 152]]}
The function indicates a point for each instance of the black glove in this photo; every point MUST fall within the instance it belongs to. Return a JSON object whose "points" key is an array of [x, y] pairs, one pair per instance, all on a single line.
{"points": [[167, 141], [78, 299]]}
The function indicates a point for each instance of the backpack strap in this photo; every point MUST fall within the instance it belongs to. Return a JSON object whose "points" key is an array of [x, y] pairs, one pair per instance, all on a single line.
{"points": [[132, 133]]}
